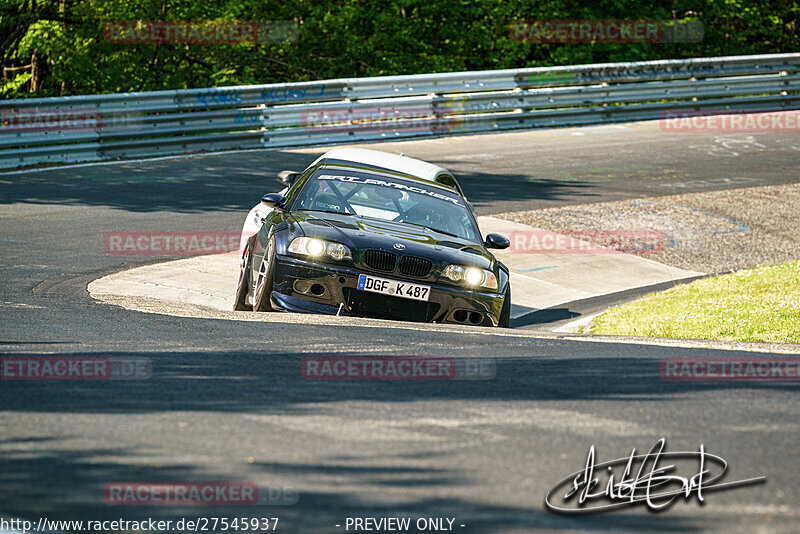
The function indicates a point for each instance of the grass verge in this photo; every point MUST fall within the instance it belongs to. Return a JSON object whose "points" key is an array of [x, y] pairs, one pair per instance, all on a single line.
{"points": [[761, 304]]}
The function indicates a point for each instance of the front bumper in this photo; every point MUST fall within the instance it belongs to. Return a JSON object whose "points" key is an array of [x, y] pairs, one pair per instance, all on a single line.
{"points": [[446, 304]]}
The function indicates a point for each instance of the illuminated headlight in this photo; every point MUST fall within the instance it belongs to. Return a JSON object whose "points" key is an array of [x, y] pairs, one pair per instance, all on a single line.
{"points": [[311, 246], [315, 247], [471, 275]]}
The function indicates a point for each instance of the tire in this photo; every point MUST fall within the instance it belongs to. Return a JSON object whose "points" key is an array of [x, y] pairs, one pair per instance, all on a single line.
{"points": [[505, 312], [243, 286], [265, 279]]}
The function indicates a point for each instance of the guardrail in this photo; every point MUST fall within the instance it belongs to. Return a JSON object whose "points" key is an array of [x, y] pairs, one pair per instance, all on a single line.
{"points": [[106, 127]]}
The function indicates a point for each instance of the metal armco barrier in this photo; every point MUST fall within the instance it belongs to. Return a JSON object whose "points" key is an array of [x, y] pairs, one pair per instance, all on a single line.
{"points": [[106, 127]]}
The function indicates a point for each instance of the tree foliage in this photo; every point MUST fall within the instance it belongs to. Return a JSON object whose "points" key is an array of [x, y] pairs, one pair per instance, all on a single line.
{"points": [[57, 47]]}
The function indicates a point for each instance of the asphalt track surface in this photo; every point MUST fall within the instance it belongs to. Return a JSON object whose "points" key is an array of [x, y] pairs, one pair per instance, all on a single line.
{"points": [[226, 400]]}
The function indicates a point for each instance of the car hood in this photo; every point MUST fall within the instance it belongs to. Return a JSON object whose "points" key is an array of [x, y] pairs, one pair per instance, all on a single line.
{"points": [[360, 233]]}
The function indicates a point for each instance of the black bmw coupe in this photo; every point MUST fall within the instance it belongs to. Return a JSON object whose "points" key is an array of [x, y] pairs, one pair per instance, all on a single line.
{"points": [[369, 234]]}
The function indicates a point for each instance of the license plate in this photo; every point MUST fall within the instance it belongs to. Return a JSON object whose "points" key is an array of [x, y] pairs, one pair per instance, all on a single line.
{"points": [[393, 287]]}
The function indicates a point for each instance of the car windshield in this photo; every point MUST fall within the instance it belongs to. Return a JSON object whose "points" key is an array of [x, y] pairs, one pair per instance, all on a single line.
{"points": [[391, 199]]}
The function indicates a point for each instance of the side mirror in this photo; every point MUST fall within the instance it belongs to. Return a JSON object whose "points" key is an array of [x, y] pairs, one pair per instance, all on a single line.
{"points": [[496, 241], [272, 199], [287, 178]]}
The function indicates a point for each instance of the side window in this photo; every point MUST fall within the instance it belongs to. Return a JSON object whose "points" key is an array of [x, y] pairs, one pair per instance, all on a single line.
{"points": [[447, 180], [298, 184]]}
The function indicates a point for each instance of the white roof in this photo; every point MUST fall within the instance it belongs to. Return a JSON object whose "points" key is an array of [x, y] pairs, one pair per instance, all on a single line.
{"points": [[414, 167]]}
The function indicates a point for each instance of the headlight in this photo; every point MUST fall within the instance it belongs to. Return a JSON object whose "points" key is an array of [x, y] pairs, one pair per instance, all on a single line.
{"points": [[338, 252], [315, 247], [312, 246], [473, 276]]}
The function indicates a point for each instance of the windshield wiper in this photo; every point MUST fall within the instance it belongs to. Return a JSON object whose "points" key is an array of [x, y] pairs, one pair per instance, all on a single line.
{"points": [[434, 229], [334, 212]]}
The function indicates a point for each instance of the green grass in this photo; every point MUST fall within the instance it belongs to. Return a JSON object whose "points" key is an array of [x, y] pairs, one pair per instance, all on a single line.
{"points": [[761, 304]]}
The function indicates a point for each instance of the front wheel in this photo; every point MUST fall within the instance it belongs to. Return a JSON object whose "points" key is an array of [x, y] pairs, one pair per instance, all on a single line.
{"points": [[505, 312], [243, 286], [265, 279]]}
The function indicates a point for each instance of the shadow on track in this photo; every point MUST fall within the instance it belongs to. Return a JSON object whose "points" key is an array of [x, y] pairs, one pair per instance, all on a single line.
{"points": [[228, 182], [40, 477], [69, 485], [272, 383]]}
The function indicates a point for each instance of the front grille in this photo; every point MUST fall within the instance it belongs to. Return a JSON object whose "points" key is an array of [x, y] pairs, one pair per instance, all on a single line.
{"points": [[366, 304], [380, 260], [413, 266]]}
